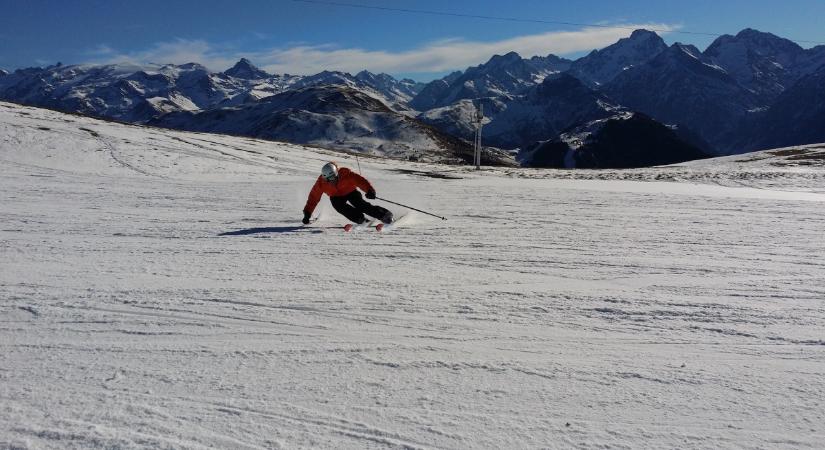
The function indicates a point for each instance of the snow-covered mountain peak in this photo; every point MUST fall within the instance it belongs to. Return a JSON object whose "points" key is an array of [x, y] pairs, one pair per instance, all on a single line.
{"points": [[246, 70], [106, 70], [551, 58], [682, 86], [377, 79], [189, 66], [503, 60], [367, 75], [396, 91], [178, 70], [687, 49], [640, 43], [762, 62], [328, 77], [767, 43], [642, 35], [601, 66], [750, 43], [502, 76], [686, 56], [3, 73], [549, 64]]}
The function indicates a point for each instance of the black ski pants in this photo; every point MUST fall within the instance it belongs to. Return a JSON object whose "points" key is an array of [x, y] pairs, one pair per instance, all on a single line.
{"points": [[353, 207]]}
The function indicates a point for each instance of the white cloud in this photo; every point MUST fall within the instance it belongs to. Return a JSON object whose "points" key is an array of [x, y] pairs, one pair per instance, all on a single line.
{"points": [[179, 51], [439, 56], [101, 50]]}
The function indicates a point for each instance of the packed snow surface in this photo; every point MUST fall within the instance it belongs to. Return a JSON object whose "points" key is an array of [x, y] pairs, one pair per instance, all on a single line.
{"points": [[157, 290]]}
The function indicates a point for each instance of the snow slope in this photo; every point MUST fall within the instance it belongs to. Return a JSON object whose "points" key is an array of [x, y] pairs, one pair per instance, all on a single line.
{"points": [[157, 291]]}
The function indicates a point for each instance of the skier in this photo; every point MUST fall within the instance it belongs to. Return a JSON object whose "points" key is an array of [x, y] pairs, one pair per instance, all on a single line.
{"points": [[342, 187]]}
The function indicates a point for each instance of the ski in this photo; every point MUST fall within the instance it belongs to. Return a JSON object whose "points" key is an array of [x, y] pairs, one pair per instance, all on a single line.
{"points": [[390, 226], [380, 226], [350, 227]]}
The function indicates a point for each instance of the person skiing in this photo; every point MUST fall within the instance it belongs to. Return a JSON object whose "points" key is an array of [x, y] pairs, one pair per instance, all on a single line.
{"points": [[342, 184]]}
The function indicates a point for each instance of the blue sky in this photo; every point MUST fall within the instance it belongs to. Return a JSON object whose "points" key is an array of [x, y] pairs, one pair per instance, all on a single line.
{"points": [[285, 36]]}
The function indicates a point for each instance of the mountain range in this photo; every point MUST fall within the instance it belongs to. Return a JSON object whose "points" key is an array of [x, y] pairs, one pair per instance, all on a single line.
{"points": [[744, 92], [332, 116], [135, 93]]}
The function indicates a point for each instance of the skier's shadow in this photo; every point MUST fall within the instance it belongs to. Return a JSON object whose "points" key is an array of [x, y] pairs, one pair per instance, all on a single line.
{"points": [[267, 230]]}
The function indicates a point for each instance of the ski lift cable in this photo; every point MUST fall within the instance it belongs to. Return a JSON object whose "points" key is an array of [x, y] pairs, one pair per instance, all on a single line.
{"points": [[519, 19]]}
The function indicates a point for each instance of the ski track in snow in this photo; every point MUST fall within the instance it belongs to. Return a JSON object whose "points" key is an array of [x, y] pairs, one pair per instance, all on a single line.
{"points": [[158, 290]]}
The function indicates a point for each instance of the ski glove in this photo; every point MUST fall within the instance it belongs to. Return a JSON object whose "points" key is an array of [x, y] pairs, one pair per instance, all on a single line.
{"points": [[306, 218], [371, 194]]}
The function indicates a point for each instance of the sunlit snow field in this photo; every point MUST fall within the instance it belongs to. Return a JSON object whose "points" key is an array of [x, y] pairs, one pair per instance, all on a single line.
{"points": [[158, 290]]}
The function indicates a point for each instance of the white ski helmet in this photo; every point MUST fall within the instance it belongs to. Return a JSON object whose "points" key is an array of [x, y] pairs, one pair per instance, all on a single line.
{"points": [[330, 171]]}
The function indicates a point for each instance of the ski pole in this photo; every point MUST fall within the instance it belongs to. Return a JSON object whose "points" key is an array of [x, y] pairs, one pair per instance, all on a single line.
{"points": [[410, 207]]}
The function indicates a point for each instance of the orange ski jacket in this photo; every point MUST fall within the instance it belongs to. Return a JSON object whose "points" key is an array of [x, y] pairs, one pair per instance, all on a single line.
{"points": [[347, 182]]}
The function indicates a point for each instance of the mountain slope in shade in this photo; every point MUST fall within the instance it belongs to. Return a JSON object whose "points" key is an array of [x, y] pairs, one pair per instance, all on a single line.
{"points": [[432, 93], [545, 110], [551, 63], [541, 113], [680, 86], [762, 62], [332, 116], [625, 140], [602, 66], [812, 61], [501, 77], [797, 117]]}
